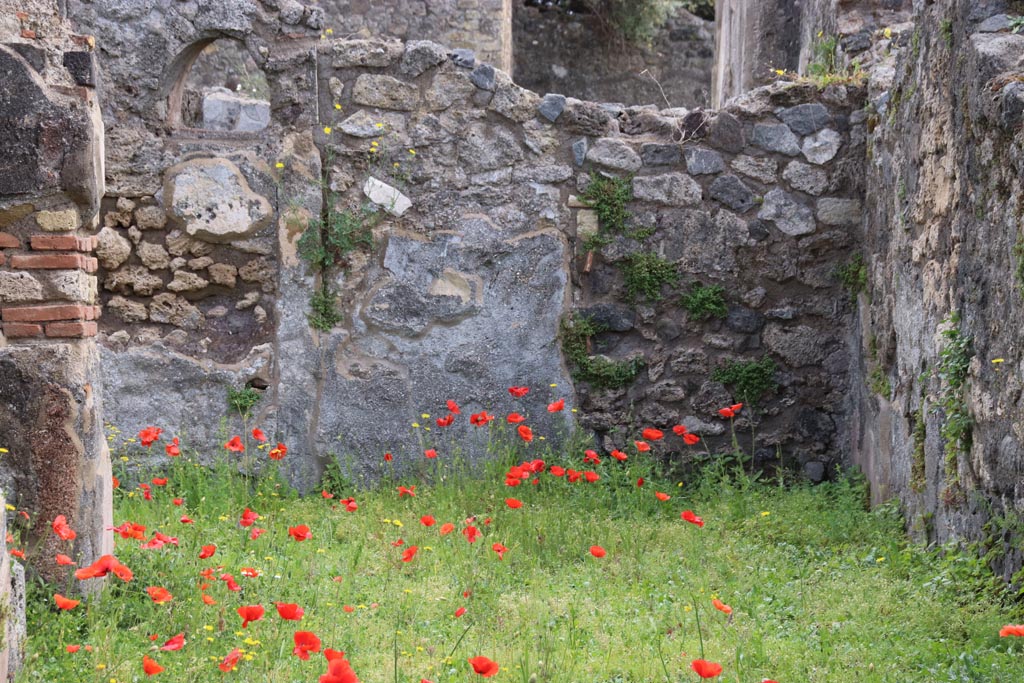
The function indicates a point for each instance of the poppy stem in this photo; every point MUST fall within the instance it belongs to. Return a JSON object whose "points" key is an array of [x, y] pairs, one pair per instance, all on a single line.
{"points": [[458, 642], [696, 614], [664, 666]]}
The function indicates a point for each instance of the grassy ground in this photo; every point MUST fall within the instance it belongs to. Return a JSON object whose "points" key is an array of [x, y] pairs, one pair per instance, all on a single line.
{"points": [[820, 588]]}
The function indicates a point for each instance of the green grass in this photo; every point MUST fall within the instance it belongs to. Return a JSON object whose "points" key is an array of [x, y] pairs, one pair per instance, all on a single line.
{"points": [[821, 589]]}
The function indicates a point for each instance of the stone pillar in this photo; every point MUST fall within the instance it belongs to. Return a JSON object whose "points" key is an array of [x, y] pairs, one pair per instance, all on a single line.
{"points": [[51, 181], [753, 37]]}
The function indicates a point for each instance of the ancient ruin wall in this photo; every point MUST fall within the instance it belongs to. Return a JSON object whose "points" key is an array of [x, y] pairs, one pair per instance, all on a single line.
{"points": [[576, 56], [484, 26], [942, 240], [464, 290]]}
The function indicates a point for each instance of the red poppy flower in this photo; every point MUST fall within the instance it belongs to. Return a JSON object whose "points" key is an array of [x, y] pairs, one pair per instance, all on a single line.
{"points": [[525, 433], [250, 613], [258, 435], [557, 471], [447, 528], [305, 642], [208, 600], [430, 453], [471, 533], [652, 434], [173, 448], [690, 439], [63, 560], [484, 666], [642, 446], [406, 491], [159, 481], [515, 418], [679, 430], [148, 435], [115, 482], [387, 457], [106, 564], [591, 477], [692, 518], [350, 504], [235, 444], [428, 520], [619, 455], [573, 476], [248, 518], [159, 594], [445, 421], [229, 662], [518, 392], [661, 496], [339, 670], [640, 482], [61, 528], [453, 407], [65, 603], [480, 419], [598, 551], [300, 532], [727, 412], [178, 502], [736, 407], [146, 494], [289, 611], [1012, 630], [706, 669], [721, 606], [514, 503], [348, 609], [278, 452], [556, 406], [591, 456], [459, 612], [398, 544], [72, 649], [409, 553], [130, 530], [150, 667], [256, 533], [500, 549], [174, 643]]}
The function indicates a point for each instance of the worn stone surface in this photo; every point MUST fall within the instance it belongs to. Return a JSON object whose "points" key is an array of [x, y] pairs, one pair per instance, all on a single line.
{"points": [[385, 92], [614, 153], [789, 215], [805, 178], [672, 189], [775, 137], [212, 201]]}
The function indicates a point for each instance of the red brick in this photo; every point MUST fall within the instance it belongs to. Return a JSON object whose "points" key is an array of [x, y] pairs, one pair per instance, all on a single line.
{"points": [[62, 243], [13, 330], [52, 262], [9, 241], [75, 329], [34, 314]]}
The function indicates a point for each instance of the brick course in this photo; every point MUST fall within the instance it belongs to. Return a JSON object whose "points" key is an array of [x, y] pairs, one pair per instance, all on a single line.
{"points": [[71, 329], [49, 312], [54, 262], [15, 330], [63, 243]]}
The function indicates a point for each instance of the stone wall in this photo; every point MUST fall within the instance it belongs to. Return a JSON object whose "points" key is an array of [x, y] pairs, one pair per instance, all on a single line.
{"points": [[575, 56], [484, 26], [471, 186], [756, 38], [942, 242], [55, 457]]}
